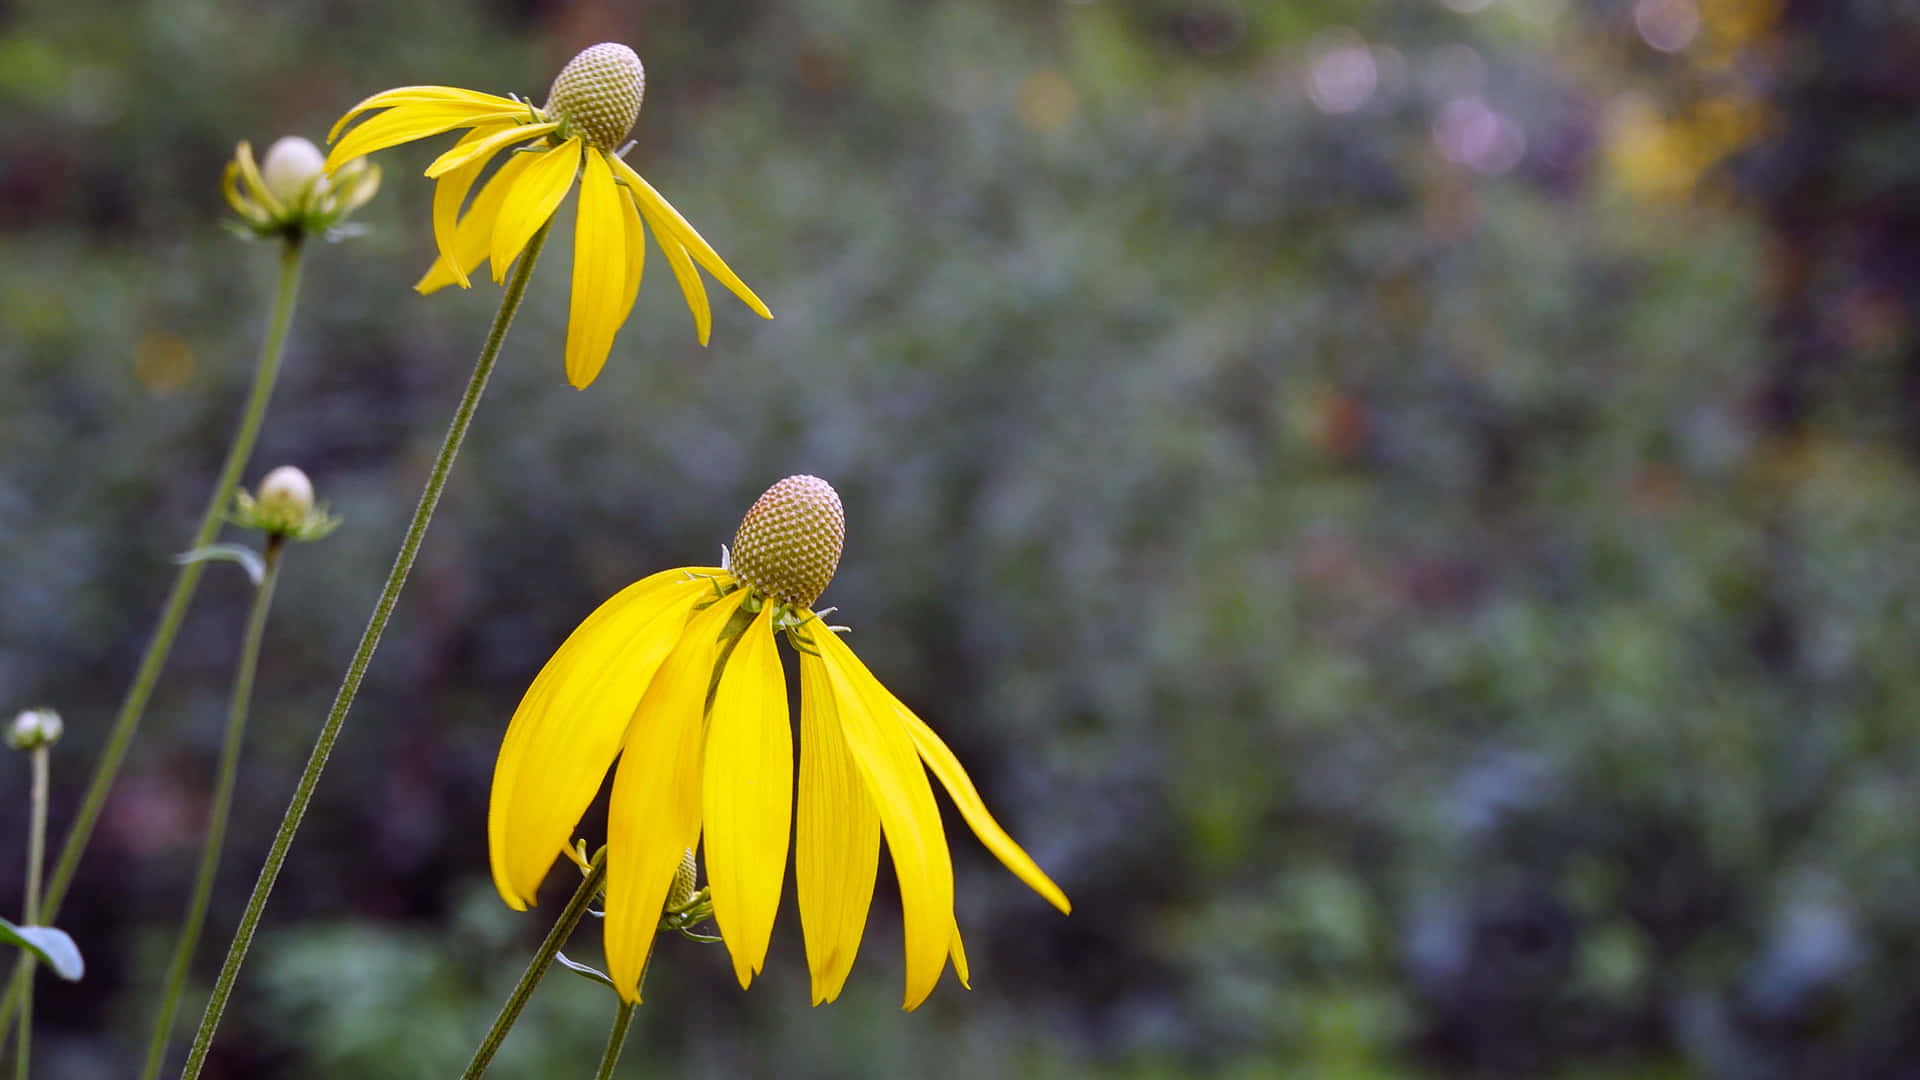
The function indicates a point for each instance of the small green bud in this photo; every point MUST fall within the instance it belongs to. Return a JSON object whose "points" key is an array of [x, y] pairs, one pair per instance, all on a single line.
{"points": [[286, 493], [686, 882], [284, 506], [34, 728]]}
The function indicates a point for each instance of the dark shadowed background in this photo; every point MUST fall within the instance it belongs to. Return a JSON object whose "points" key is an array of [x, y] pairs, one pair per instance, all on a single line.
{"points": [[1408, 510]]}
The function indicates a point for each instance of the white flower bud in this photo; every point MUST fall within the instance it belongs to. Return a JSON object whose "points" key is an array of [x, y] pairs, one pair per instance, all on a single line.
{"points": [[291, 166], [34, 728], [285, 494]]}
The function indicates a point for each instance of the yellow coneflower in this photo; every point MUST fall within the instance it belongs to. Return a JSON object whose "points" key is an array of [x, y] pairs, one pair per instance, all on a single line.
{"points": [[679, 677], [589, 111]]}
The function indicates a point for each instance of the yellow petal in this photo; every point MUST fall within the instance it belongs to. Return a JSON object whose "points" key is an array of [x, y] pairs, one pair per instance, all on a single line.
{"points": [[230, 187], [568, 728], [636, 235], [450, 194], [405, 123], [474, 235], [746, 796], [599, 272], [655, 814], [837, 838], [954, 778], [532, 201], [502, 137], [666, 219], [412, 95], [898, 786], [690, 284], [959, 953], [256, 186]]}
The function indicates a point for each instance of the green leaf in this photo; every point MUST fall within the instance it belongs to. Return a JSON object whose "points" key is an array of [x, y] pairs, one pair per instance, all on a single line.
{"points": [[585, 970], [53, 947], [239, 553]]}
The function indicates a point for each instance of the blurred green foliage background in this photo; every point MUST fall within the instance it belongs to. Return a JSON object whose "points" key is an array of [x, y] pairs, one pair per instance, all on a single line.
{"points": [[1406, 507]]}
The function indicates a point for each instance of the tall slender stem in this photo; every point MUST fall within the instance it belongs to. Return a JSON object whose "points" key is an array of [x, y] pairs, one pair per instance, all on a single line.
{"points": [[615, 1040], [266, 370], [369, 639], [575, 910], [217, 815], [36, 854]]}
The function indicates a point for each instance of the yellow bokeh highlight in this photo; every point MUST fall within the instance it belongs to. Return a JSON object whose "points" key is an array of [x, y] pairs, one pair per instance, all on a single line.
{"points": [[164, 363]]}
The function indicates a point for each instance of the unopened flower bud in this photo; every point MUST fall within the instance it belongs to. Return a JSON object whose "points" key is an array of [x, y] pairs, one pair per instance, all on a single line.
{"points": [[290, 168], [286, 493], [284, 506], [290, 195], [686, 882], [34, 728]]}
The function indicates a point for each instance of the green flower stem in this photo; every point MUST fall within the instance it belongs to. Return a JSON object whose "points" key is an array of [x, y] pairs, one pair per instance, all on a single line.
{"points": [[36, 854], [616, 1039], [357, 668], [185, 581], [218, 813], [556, 939]]}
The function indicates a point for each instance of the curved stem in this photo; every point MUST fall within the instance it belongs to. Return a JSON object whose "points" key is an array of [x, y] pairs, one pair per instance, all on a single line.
{"points": [[615, 1040], [36, 854], [185, 581], [218, 813], [357, 668], [556, 939]]}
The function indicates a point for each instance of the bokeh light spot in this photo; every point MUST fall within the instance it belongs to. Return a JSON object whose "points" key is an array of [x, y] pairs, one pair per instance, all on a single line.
{"points": [[1343, 76], [163, 363]]}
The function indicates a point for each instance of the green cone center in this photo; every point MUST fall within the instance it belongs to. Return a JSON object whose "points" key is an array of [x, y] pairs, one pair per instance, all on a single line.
{"points": [[598, 94], [789, 543]]}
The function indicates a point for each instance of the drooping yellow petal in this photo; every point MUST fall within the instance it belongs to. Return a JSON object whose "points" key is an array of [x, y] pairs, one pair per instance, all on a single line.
{"points": [[570, 725], [413, 95], [599, 272], [746, 796], [655, 815], [532, 201], [636, 237], [898, 785], [954, 778], [690, 285], [473, 236], [257, 186], [450, 194], [230, 187], [503, 137], [666, 219], [959, 954], [837, 838], [405, 123]]}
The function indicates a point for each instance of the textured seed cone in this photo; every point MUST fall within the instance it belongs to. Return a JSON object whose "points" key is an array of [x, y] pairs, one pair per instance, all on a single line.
{"points": [[598, 94], [686, 881], [789, 543]]}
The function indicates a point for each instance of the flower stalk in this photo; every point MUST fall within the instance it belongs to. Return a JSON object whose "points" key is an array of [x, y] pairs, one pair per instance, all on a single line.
{"points": [[615, 1040], [369, 639], [185, 581], [556, 939], [219, 812], [36, 855]]}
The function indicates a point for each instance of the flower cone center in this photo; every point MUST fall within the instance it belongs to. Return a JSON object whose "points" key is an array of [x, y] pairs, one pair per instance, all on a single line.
{"points": [[789, 543], [597, 95]]}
